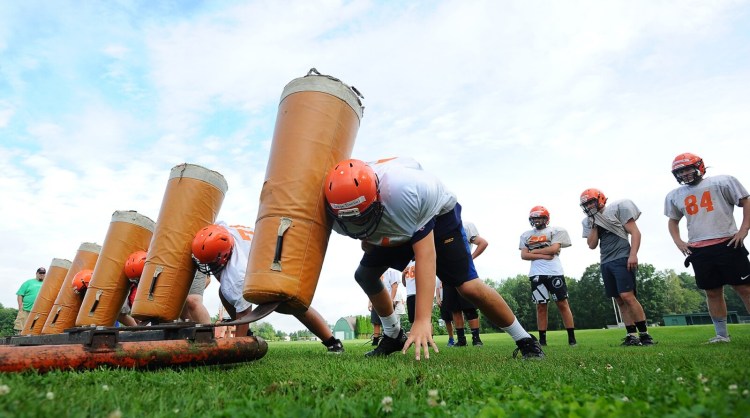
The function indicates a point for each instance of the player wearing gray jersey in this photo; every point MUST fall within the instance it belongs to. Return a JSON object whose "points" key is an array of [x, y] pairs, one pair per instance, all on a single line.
{"points": [[400, 212], [541, 245], [609, 227], [715, 245]]}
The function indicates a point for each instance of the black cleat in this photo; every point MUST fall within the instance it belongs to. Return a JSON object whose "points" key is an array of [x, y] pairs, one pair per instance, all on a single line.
{"points": [[336, 347], [646, 339], [476, 341], [388, 345], [631, 340], [461, 342], [375, 341], [529, 349]]}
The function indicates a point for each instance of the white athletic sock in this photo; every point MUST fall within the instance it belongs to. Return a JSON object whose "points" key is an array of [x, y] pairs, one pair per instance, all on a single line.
{"points": [[391, 325], [516, 331], [720, 325]]}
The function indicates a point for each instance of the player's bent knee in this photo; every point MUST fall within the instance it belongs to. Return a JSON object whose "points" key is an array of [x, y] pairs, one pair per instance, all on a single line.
{"points": [[369, 280]]}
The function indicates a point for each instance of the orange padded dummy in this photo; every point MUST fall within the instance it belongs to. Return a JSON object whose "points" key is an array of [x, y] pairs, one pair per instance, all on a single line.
{"points": [[192, 200], [63, 313], [316, 125], [56, 273], [129, 231]]}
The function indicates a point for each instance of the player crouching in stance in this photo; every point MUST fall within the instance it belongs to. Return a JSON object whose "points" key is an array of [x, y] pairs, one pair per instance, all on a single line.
{"points": [[715, 245], [608, 227], [400, 212], [541, 245], [223, 251]]}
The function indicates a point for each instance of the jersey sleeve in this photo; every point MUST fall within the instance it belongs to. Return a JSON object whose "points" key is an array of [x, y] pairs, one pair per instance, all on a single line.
{"points": [[627, 210], [560, 236], [670, 207]]}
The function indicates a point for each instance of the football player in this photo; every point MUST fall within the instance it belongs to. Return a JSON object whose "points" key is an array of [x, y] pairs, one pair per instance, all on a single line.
{"points": [[223, 251], [541, 245], [400, 212], [715, 245], [609, 227]]}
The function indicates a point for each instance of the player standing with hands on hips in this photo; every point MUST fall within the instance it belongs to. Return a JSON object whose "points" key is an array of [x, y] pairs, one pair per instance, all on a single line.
{"points": [[715, 246]]}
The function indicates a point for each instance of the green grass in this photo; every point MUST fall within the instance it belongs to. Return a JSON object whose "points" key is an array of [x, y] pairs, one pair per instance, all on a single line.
{"points": [[679, 377]]}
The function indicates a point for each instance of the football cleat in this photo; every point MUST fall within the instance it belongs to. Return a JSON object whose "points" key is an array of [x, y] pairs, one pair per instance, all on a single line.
{"points": [[719, 339], [646, 339], [630, 340], [388, 345], [529, 348]]}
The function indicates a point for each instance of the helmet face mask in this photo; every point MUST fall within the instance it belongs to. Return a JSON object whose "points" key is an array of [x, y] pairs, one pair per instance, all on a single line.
{"points": [[81, 281], [353, 198], [539, 217], [212, 248], [592, 201], [688, 168]]}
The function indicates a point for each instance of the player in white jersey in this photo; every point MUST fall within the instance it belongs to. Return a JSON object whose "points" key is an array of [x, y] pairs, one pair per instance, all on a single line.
{"points": [[390, 281], [458, 306], [715, 245], [408, 279], [223, 251], [541, 245], [609, 227], [401, 212]]}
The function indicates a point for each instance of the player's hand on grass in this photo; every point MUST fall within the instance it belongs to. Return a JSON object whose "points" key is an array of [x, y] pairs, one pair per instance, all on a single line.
{"points": [[421, 337]]}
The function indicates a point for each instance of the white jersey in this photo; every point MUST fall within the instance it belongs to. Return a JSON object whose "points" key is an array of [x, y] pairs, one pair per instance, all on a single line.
{"points": [[410, 196], [471, 232], [708, 207], [410, 276], [232, 277], [390, 277], [537, 238]]}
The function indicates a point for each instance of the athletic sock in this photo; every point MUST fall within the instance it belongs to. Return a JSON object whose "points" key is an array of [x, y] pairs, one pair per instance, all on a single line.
{"points": [[391, 325], [542, 337], [571, 334], [475, 333], [516, 331], [631, 329], [720, 325], [461, 334], [641, 326]]}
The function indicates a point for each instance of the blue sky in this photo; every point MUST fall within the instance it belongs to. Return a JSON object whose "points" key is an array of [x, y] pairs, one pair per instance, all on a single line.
{"points": [[512, 104]]}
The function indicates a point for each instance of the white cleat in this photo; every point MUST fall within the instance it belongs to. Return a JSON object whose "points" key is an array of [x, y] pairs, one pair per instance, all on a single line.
{"points": [[719, 339]]}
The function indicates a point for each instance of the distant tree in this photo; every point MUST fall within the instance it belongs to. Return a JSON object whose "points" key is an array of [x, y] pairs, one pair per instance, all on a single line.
{"points": [[681, 297], [363, 327], [265, 331], [652, 292], [590, 307], [7, 318]]}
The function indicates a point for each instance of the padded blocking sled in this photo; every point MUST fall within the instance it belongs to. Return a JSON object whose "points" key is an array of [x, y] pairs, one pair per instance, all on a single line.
{"points": [[192, 200], [316, 124], [128, 232], [64, 311], [53, 281]]}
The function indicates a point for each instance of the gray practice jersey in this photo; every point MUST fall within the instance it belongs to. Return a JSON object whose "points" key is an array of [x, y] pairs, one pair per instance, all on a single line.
{"points": [[411, 197], [611, 246], [708, 207], [541, 238]]}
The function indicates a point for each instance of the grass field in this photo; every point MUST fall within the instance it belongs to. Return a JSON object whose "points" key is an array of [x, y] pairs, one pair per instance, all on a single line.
{"points": [[679, 377]]}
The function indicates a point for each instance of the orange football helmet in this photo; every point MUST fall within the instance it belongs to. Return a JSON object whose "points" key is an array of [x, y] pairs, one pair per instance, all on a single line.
{"points": [[539, 217], [81, 281], [134, 265], [592, 201], [352, 190], [688, 160], [212, 247]]}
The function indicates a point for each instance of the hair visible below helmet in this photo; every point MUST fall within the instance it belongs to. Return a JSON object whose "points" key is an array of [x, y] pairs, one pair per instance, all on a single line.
{"points": [[134, 265], [212, 247], [352, 191], [81, 281], [538, 212], [590, 195], [688, 160]]}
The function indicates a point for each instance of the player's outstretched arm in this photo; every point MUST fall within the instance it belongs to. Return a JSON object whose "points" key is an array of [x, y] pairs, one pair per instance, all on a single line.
{"points": [[421, 330]]}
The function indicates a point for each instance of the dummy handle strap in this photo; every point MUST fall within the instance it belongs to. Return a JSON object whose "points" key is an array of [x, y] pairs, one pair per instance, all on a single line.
{"points": [[283, 226]]}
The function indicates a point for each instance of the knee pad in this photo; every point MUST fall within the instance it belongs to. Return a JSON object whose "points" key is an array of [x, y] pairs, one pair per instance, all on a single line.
{"points": [[470, 314], [368, 278]]}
